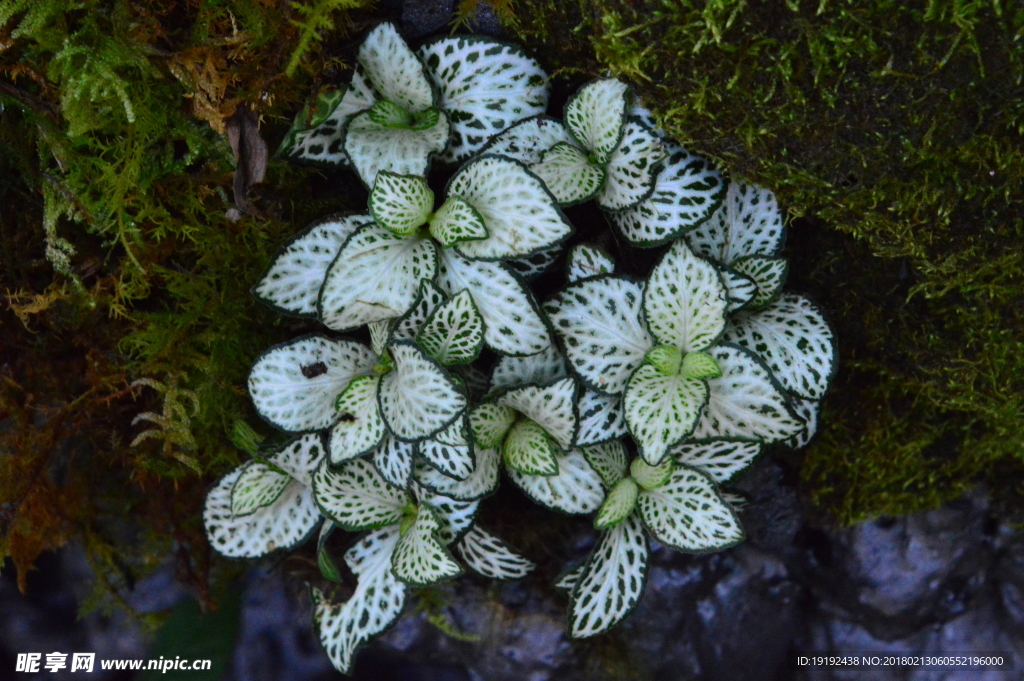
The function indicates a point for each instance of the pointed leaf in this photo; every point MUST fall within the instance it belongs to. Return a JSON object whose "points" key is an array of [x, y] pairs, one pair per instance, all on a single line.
{"points": [[292, 282], [794, 340], [528, 449], [485, 87], [282, 525], [631, 168], [527, 140], [586, 260], [481, 482], [518, 211], [380, 334], [599, 322], [328, 568], [300, 457], [809, 411], [293, 385], [489, 556], [596, 115], [401, 203], [686, 513], [745, 402], [602, 418], [618, 505], [456, 517], [360, 428], [567, 580], [529, 267], [490, 424], [457, 221], [740, 290], [687, 189], [427, 300], [662, 410], [685, 301], [376, 277], [512, 322], [542, 368], [373, 607], [257, 487], [612, 580], [452, 456], [419, 398], [721, 460], [393, 459], [576, 489], [609, 460], [768, 273], [318, 133], [748, 222], [372, 147], [454, 333], [356, 497], [552, 407], [568, 175], [420, 559], [395, 72]]}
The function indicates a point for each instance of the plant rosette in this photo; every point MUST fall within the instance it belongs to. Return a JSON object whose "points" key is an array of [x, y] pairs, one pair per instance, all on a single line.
{"points": [[657, 344], [402, 108], [409, 533], [599, 152]]}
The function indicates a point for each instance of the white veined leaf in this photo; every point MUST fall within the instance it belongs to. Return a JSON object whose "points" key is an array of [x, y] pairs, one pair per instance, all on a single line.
{"points": [[481, 482], [618, 505], [527, 140], [456, 516], [454, 333], [567, 580], [373, 607], [612, 580], [427, 300], [745, 402], [372, 147], [418, 398], [393, 459], [685, 301], [355, 497], [318, 133], [512, 322], [631, 168], [485, 87], [360, 427], [490, 423], [531, 266], [400, 203], [809, 411], [293, 385], [748, 222], [596, 116], [380, 334], [587, 260], [609, 460], [599, 321], [552, 407], [292, 282], [575, 489], [721, 460], [568, 175], [645, 116], [687, 189], [740, 290], [300, 457], [542, 368], [454, 460], [768, 273], [420, 559], [662, 410], [375, 277], [489, 556], [519, 212], [686, 513], [528, 449], [602, 418], [395, 72], [457, 221], [258, 486], [794, 340], [737, 501], [282, 525]]}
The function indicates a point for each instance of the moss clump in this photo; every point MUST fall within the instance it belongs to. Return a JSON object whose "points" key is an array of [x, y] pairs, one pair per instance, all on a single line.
{"points": [[892, 124]]}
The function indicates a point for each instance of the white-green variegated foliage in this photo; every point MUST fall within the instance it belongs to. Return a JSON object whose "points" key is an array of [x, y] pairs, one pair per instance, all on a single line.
{"points": [[631, 399]]}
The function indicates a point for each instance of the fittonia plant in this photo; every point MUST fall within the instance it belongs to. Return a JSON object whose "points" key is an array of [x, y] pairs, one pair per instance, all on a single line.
{"points": [[632, 397]]}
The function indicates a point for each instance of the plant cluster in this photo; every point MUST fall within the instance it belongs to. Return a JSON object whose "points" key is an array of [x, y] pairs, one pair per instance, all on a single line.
{"points": [[630, 399]]}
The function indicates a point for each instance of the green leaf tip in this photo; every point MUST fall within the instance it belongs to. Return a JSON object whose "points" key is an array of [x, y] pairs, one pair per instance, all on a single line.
{"points": [[700, 365], [651, 477], [665, 358], [617, 506]]}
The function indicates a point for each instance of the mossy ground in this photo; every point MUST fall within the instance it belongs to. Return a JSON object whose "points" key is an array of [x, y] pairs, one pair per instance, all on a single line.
{"points": [[893, 133]]}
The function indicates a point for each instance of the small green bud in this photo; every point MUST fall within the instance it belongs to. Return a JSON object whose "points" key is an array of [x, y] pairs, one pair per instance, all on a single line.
{"points": [[384, 365], [651, 477], [390, 115], [617, 506], [665, 358], [700, 365], [425, 119], [529, 449], [409, 514], [490, 424]]}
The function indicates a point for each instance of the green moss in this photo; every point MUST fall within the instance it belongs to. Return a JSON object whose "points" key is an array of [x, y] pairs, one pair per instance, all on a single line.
{"points": [[891, 124]]}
